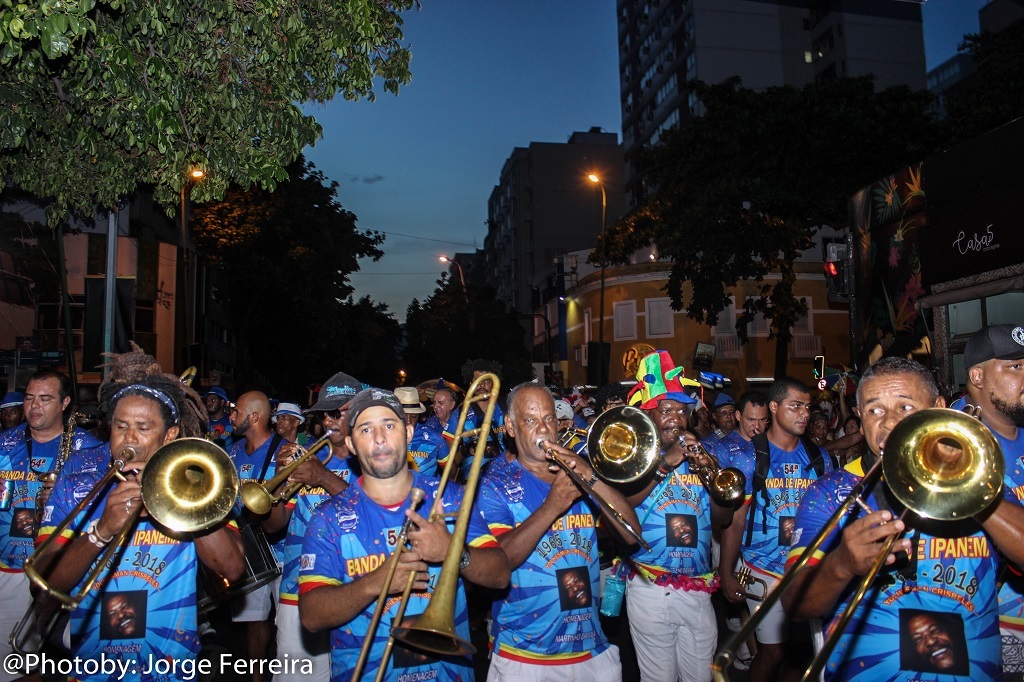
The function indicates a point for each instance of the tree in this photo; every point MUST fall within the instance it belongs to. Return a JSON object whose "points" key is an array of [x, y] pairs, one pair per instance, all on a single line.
{"points": [[283, 259], [444, 331], [98, 98], [740, 191], [995, 94]]}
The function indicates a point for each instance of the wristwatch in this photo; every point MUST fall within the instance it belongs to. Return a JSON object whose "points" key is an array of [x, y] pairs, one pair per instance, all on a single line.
{"points": [[464, 562]]}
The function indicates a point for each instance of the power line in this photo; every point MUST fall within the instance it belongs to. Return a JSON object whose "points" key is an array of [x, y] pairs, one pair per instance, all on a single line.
{"points": [[428, 239]]}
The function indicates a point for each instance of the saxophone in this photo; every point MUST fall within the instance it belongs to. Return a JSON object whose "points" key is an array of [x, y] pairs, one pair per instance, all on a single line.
{"points": [[67, 440]]}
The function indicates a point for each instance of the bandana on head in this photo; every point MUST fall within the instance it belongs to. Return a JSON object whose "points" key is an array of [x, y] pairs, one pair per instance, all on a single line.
{"points": [[659, 379]]}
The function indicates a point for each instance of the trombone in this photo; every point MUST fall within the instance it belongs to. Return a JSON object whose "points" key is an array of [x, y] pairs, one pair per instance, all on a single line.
{"points": [[259, 498], [942, 464], [434, 629], [188, 485]]}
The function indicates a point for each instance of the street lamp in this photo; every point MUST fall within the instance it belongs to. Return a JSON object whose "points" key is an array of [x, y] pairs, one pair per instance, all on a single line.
{"points": [[446, 259], [600, 324], [188, 324]]}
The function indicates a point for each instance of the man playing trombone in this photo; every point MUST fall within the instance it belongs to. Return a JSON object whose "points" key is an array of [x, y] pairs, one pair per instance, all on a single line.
{"points": [[349, 540], [937, 594], [144, 611], [546, 627]]}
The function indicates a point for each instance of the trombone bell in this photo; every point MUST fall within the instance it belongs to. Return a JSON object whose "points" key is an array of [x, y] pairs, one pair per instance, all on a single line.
{"points": [[623, 445], [189, 485]]}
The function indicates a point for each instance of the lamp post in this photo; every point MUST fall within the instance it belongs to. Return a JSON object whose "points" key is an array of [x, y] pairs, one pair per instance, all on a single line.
{"points": [[446, 259], [188, 323], [600, 323]]}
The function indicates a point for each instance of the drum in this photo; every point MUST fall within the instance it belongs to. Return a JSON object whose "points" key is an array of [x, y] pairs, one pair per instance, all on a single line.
{"points": [[260, 568]]}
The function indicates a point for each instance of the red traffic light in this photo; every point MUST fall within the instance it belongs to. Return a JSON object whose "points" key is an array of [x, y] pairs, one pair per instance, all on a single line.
{"points": [[831, 269]]}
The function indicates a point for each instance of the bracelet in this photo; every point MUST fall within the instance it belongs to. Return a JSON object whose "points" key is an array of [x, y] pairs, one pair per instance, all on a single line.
{"points": [[94, 537], [594, 478], [662, 472]]}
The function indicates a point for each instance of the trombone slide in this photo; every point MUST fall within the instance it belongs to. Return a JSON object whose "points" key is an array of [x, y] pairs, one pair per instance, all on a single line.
{"points": [[611, 512]]}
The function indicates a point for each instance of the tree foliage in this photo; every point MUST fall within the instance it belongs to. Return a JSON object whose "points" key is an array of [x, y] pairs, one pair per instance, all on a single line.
{"points": [[995, 94], [740, 191], [444, 331], [96, 98], [283, 259]]}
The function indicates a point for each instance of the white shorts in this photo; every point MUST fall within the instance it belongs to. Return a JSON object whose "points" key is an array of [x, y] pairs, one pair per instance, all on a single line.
{"points": [[256, 605], [774, 628], [605, 667], [297, 643], [14, 602]]}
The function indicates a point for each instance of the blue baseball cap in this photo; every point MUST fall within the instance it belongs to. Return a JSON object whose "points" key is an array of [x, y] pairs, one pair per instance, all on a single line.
{"points": [[219, 392], [12, 399], [724, 399]]}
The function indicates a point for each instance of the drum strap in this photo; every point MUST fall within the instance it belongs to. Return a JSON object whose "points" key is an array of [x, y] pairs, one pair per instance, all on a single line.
{"points": [[275, 443]]}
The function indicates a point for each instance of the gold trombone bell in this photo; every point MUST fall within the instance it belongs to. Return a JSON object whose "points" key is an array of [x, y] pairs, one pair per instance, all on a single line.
{"points": [[623, 445]]}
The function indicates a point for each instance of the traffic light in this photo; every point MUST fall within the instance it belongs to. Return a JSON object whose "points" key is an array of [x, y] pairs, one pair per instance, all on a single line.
{"points": [[836, 259], [819, 366]]}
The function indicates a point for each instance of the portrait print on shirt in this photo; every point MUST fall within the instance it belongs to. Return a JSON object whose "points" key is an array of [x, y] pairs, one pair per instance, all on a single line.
{"points": [[933, 642], [23, 523], [574, 588], [786, 526], [680, 530], [124, 615]]}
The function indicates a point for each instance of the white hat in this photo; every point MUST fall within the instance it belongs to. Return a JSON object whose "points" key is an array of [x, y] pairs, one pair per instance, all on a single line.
{"points": [[292, 409], [409, 396], [563, 410], [587, 412]]}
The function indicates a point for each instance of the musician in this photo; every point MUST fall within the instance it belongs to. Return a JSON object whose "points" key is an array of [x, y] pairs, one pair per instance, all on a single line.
{"points": [[724, 418], [609, 396], [253, 453], [994, 358], [668, 598], [546, 526], [426, 444], [445, 419], [12, 410], [218, 406], [566, 422], [28, 451], [943, 567], [322, 481], [471, 371], [158, 568], [778, 465], [286, 420], [350, 537]]}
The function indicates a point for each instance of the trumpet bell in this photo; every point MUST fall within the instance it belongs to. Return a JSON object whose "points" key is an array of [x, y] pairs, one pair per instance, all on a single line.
{"points": [[943, 464], [623, 444], [189, 485]]}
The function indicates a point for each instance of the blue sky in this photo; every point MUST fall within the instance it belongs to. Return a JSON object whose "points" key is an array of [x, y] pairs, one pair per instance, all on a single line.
{"points": [[488, 76]]}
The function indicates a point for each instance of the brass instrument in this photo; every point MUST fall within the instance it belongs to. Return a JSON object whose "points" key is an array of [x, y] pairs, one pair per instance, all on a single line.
{"points": [[623, 447], [188, 375], [565, 436], [746, 578], [942, 464], [725, 486], [259, 497], [188, 485], [434, 629], [67, 441]]}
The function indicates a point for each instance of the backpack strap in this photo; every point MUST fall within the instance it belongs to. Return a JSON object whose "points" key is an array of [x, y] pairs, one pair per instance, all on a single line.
{"points": [[814, 453], [762, 462]]}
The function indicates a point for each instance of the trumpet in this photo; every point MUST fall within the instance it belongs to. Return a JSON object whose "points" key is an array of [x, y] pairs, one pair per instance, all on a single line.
{"points": [[259, 497], [724, 485], [929, 476], [188, 485], [434, 629], [746, 578], [565, 436]]}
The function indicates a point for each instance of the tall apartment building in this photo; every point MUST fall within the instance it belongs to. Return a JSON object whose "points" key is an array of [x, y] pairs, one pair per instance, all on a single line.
{"points": [[544, 206], [665, 43]]}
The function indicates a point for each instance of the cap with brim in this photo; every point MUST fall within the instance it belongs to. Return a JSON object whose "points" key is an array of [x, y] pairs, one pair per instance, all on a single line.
{"points": [[724, 399], [373, 397], [336, 392], [409, 397], [219, 392], [563, 410], [997, 342], [290, 409], [12, 399]]}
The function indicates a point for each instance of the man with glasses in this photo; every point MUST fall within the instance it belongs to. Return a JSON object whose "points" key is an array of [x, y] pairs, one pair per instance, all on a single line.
{"points": [[322, 482]]}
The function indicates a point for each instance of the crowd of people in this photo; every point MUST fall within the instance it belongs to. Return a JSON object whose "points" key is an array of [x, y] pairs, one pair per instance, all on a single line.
{"points": [[533, 550]]}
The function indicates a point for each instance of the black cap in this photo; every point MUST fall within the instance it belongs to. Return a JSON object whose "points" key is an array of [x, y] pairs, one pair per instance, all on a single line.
{"points": [[373, 397], [997, 342], [336, 392]]}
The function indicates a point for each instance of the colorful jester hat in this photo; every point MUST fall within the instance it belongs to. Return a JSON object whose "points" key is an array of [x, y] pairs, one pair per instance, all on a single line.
{"points": [[659, 379]]}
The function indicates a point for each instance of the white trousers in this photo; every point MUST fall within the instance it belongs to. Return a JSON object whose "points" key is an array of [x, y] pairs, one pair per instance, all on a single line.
{"points": [[674, 632], [297, 643], [14, 602]]}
